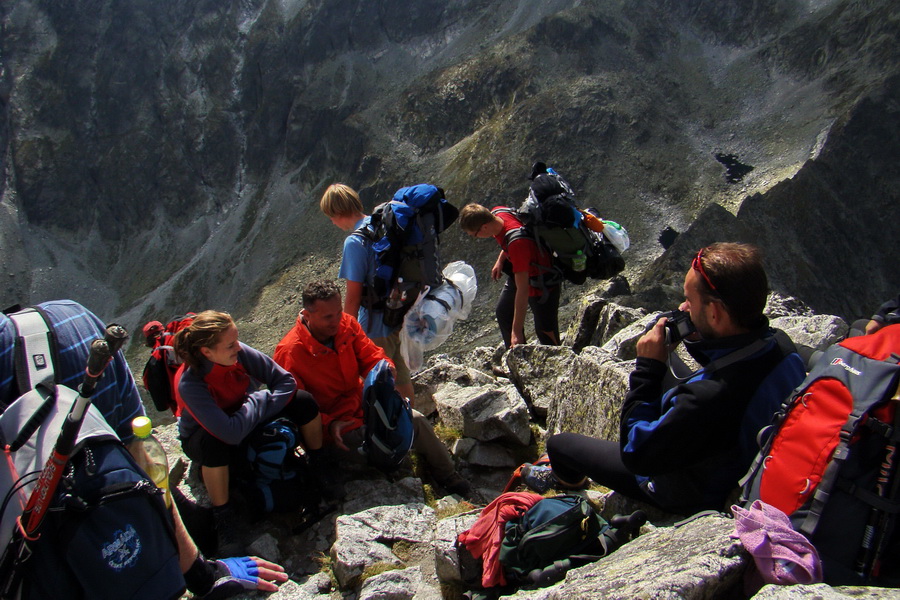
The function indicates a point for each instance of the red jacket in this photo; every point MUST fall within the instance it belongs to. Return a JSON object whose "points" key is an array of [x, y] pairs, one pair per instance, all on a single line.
{"points": [[484, 538], [333, 377]]}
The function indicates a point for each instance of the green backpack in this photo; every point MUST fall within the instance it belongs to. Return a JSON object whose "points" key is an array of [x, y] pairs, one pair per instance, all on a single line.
{"points": [[557, 534]]}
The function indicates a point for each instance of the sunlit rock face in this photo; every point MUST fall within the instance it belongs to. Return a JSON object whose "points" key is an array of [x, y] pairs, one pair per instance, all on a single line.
{"points": [[164, 156]]}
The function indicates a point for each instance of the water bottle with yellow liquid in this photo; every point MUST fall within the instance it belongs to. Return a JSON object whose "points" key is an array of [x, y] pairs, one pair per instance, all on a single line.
{"points": [[151, 456]]}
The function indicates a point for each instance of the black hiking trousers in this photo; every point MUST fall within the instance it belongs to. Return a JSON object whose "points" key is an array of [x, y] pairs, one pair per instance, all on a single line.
{"points": [[574, 456], [546, 314]]}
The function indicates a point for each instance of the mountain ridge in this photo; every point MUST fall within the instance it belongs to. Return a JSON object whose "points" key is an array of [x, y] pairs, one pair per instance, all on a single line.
{"points": [[159, 158]]}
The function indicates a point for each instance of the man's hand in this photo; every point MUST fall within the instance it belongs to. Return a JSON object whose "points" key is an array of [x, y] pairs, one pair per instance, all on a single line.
{"points": [[872, 326], [497, 269], [496, 272], [235, 575], [653, 343], [517, 337], [335, 428]]}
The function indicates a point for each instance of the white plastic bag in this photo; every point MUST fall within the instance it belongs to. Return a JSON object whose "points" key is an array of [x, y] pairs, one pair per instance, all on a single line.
{"points": [[430, 321], [616, 235]]}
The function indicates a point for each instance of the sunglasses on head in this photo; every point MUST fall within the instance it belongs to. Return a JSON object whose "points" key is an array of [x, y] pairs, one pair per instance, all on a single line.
{"points": [[697, 265]]}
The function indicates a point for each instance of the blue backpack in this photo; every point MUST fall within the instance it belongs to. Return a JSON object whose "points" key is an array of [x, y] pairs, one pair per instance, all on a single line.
{"points": [[276, 481], [388, 419], [405, 237]]}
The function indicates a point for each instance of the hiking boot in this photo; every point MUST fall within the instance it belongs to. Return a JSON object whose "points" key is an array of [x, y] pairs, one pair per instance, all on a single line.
{"points": [[456, 484], [539, 478], [226, 532], [323, 476]]}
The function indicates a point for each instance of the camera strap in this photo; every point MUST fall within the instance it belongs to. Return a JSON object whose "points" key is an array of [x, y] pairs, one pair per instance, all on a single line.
{"points": [[681, 372]]}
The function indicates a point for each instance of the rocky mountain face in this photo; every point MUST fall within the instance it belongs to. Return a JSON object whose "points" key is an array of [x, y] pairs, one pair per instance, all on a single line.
{"points": [[164, 156]]}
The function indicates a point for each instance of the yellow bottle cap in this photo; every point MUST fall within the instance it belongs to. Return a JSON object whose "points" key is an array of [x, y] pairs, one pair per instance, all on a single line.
{"points": [[141, 426]]}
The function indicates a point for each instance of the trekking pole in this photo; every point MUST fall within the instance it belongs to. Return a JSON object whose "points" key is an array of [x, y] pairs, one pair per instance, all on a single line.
{"points": [[888, 487], [27, 524]]}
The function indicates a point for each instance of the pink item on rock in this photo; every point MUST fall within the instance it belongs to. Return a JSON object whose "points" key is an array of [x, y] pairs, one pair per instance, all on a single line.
{"points": [[782, 555]]}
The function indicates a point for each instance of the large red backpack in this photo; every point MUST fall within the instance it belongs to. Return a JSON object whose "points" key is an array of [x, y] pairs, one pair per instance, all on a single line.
{"points": [[830, 461], [159, 372]]}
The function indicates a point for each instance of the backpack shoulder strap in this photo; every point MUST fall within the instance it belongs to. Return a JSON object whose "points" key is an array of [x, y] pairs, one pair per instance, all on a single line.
{"points": [[35, 346], [738, 355], [365, 233], [514, 234]]}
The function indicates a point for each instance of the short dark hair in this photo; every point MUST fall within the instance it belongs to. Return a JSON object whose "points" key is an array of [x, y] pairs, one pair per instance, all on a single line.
{"points": [[323, 289], [737, 272]]}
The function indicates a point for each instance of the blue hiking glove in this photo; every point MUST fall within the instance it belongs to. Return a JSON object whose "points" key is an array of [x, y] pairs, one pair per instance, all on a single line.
{"points": [[233, 575]]}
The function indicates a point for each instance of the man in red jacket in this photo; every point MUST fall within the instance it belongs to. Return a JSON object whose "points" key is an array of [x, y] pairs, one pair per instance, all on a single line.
{"points": [[329, 355]]}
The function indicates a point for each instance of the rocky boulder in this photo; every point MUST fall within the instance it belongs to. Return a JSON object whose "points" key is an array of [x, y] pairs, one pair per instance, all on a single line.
{"points": [[813, 331], [485, 412], [366, 538], [441, 370]]}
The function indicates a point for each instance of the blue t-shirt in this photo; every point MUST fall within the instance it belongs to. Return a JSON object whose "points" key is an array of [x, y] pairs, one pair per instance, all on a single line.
{"points": [[116, 395], [358, 265]]}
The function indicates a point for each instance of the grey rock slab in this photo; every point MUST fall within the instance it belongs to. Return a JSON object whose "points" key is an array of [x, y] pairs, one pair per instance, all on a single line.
{"points": [[487, 454], [365, 538], [815, 331], [695, 561], [486, 413], [398, 584], [363, 494], [265, 546], [821, 591], [536, 371], [623, 345], [588, 398]]}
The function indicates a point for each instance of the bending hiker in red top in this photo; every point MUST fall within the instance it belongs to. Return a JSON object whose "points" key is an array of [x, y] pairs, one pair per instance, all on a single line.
{"points": [[523, 261]]}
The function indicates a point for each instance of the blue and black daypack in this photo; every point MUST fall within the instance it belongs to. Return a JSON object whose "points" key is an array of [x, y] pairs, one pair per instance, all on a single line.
{"points": [[405, 237], [108, 533], [388, 419], [277, 480], [554, 535], [552, 218]]}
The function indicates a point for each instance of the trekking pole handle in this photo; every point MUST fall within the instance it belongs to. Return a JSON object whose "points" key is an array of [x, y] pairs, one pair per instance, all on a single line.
{"points": [[102, 352]]}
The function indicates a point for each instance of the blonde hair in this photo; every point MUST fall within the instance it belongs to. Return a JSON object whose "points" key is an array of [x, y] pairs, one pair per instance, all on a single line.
{"points": [[473, 217], [340, 200], [203, 332]]}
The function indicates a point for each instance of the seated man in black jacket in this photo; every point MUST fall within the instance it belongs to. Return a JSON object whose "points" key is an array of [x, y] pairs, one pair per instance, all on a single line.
{"points": [[684, 448]]}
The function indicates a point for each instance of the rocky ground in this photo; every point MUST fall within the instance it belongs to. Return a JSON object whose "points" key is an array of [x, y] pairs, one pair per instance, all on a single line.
{"points": [[395, 538]]}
